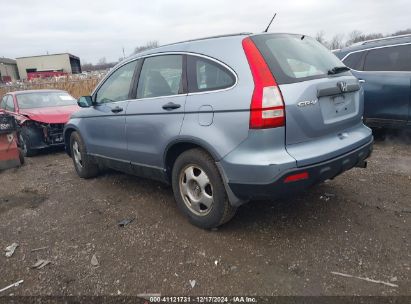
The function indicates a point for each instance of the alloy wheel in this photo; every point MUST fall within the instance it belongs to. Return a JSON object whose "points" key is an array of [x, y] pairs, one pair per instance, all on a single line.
{"points": [[77, 154], [196, 190]]}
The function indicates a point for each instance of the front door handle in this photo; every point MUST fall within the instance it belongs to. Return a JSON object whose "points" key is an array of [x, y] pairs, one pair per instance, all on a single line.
{"points": [[361, 81], [171, 106], [117, 109]]}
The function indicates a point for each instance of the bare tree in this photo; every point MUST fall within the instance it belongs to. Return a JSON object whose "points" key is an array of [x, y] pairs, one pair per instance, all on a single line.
{"points": [[102, 64], [354, 37], [374, 36], [357, 36], [102, 61], [149, 45], [320, 37], [337, 42], [403, 32]]}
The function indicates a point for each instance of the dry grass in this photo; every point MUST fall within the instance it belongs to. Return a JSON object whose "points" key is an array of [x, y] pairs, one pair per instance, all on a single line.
{"points": [[76, 88]]}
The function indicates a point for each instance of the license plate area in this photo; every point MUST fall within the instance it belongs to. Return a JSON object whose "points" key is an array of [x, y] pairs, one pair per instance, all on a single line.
{"points": [[338, 107]]}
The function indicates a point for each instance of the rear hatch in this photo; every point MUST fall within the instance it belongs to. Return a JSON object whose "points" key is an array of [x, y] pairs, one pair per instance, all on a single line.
{"points": [[323, 101]]}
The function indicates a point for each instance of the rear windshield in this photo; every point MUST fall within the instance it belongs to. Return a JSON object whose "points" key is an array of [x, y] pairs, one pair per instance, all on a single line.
{"points": [[44, 100], [295, 58]]}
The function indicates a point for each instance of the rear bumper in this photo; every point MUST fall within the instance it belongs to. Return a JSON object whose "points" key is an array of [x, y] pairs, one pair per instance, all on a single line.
{"points": [[316, 173]]}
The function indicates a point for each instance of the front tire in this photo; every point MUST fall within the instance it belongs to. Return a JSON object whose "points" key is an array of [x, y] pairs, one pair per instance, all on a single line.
{"points": [[24, 141], [83, 164], [199, 190]]}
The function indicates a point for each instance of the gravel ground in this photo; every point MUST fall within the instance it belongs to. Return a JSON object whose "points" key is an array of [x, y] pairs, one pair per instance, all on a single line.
{"points": [[357, 224]]}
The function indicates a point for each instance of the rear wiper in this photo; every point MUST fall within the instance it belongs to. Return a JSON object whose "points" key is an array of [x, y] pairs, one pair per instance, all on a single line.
{"points": [[337, 70]]}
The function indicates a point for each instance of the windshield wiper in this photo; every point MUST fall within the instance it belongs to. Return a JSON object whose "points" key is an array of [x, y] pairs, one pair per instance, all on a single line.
{"points": [[337, 70]]}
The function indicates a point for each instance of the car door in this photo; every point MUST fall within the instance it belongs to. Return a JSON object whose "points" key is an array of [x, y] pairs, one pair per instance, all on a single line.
{"points": [[103, 125], [386, 80], [155, 116]]}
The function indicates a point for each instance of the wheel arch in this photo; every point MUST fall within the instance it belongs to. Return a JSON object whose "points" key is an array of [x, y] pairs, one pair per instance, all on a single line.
{"points": [[67, 134], [176, 147]]}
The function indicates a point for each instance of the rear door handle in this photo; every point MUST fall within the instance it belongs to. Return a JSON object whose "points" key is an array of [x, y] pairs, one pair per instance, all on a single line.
{"points": [[361, 81], [117, 109], [171, 106]]}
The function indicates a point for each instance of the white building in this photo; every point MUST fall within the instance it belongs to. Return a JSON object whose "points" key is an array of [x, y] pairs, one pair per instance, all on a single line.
{"points": [[64, 62], [8, 70]]}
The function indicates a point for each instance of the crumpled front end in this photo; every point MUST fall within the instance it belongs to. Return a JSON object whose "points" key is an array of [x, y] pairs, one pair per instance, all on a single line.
{"points": [[43, 135]]}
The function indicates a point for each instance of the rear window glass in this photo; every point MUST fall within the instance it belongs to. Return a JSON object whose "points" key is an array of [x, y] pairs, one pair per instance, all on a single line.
{"points": [[294, 58], [44, 100]]}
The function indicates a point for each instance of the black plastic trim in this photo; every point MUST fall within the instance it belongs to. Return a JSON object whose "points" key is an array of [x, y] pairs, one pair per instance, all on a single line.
{"points": [[136, 76]]}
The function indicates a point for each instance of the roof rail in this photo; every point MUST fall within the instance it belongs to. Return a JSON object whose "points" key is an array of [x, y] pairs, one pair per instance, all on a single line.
{"points": [[206, 38], [381, 39]]}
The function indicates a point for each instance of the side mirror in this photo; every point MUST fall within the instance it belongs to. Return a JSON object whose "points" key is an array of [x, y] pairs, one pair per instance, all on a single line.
{"points": [[85, 101]]}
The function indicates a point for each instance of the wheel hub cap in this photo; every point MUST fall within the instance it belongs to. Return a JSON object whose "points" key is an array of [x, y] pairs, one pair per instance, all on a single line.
{"points": [[196, 190], [77, 154]]}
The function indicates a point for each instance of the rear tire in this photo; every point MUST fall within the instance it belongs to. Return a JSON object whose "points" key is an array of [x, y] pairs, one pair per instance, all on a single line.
{"points": [[199, 190], [83, 164]]}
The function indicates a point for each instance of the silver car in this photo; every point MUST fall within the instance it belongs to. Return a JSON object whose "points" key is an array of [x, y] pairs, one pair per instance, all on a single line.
{"points": [[224, 120]]}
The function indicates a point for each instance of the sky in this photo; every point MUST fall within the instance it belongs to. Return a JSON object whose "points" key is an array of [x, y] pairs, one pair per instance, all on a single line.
{"points": [[97, 29]]}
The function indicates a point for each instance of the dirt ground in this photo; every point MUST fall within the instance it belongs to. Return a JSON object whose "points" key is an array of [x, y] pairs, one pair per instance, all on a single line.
{"points": [[357, 224]]}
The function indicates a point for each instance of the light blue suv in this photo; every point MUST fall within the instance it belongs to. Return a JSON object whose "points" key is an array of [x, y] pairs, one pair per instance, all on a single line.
{"points": [[224, 120]]}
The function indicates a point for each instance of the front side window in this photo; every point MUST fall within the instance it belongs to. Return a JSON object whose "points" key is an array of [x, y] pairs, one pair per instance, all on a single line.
{"points": [[9, 104], [396, 58], [161, 76], [117, 85], [207, 75], [3, 102]]}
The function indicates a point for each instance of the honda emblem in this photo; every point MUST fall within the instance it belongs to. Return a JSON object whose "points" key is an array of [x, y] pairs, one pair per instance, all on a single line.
{"points": [[343, 86]]}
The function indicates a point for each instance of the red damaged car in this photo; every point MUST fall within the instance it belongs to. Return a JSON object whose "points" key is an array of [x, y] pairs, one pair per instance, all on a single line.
{"points": [[41, 115]]}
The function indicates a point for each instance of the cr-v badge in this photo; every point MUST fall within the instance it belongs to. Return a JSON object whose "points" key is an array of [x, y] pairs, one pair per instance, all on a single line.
{"points": [[307, 103]]}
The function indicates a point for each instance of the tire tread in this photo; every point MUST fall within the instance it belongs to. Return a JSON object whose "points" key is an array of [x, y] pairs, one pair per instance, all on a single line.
{"points": [[90, 169], [222, 216]]}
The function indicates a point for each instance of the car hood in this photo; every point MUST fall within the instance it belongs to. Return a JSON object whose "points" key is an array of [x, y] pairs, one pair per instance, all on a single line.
{"points": [[51, 114]]}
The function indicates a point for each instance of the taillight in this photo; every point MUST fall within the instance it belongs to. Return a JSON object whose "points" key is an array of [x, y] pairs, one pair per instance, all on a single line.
{"points": [[267, 105]]}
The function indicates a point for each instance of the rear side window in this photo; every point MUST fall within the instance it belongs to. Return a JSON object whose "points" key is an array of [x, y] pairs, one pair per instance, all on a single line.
{"points": [[207, 75], [117, 85], [295, 58], [354, 61], [161, 76], [396, 58]]}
